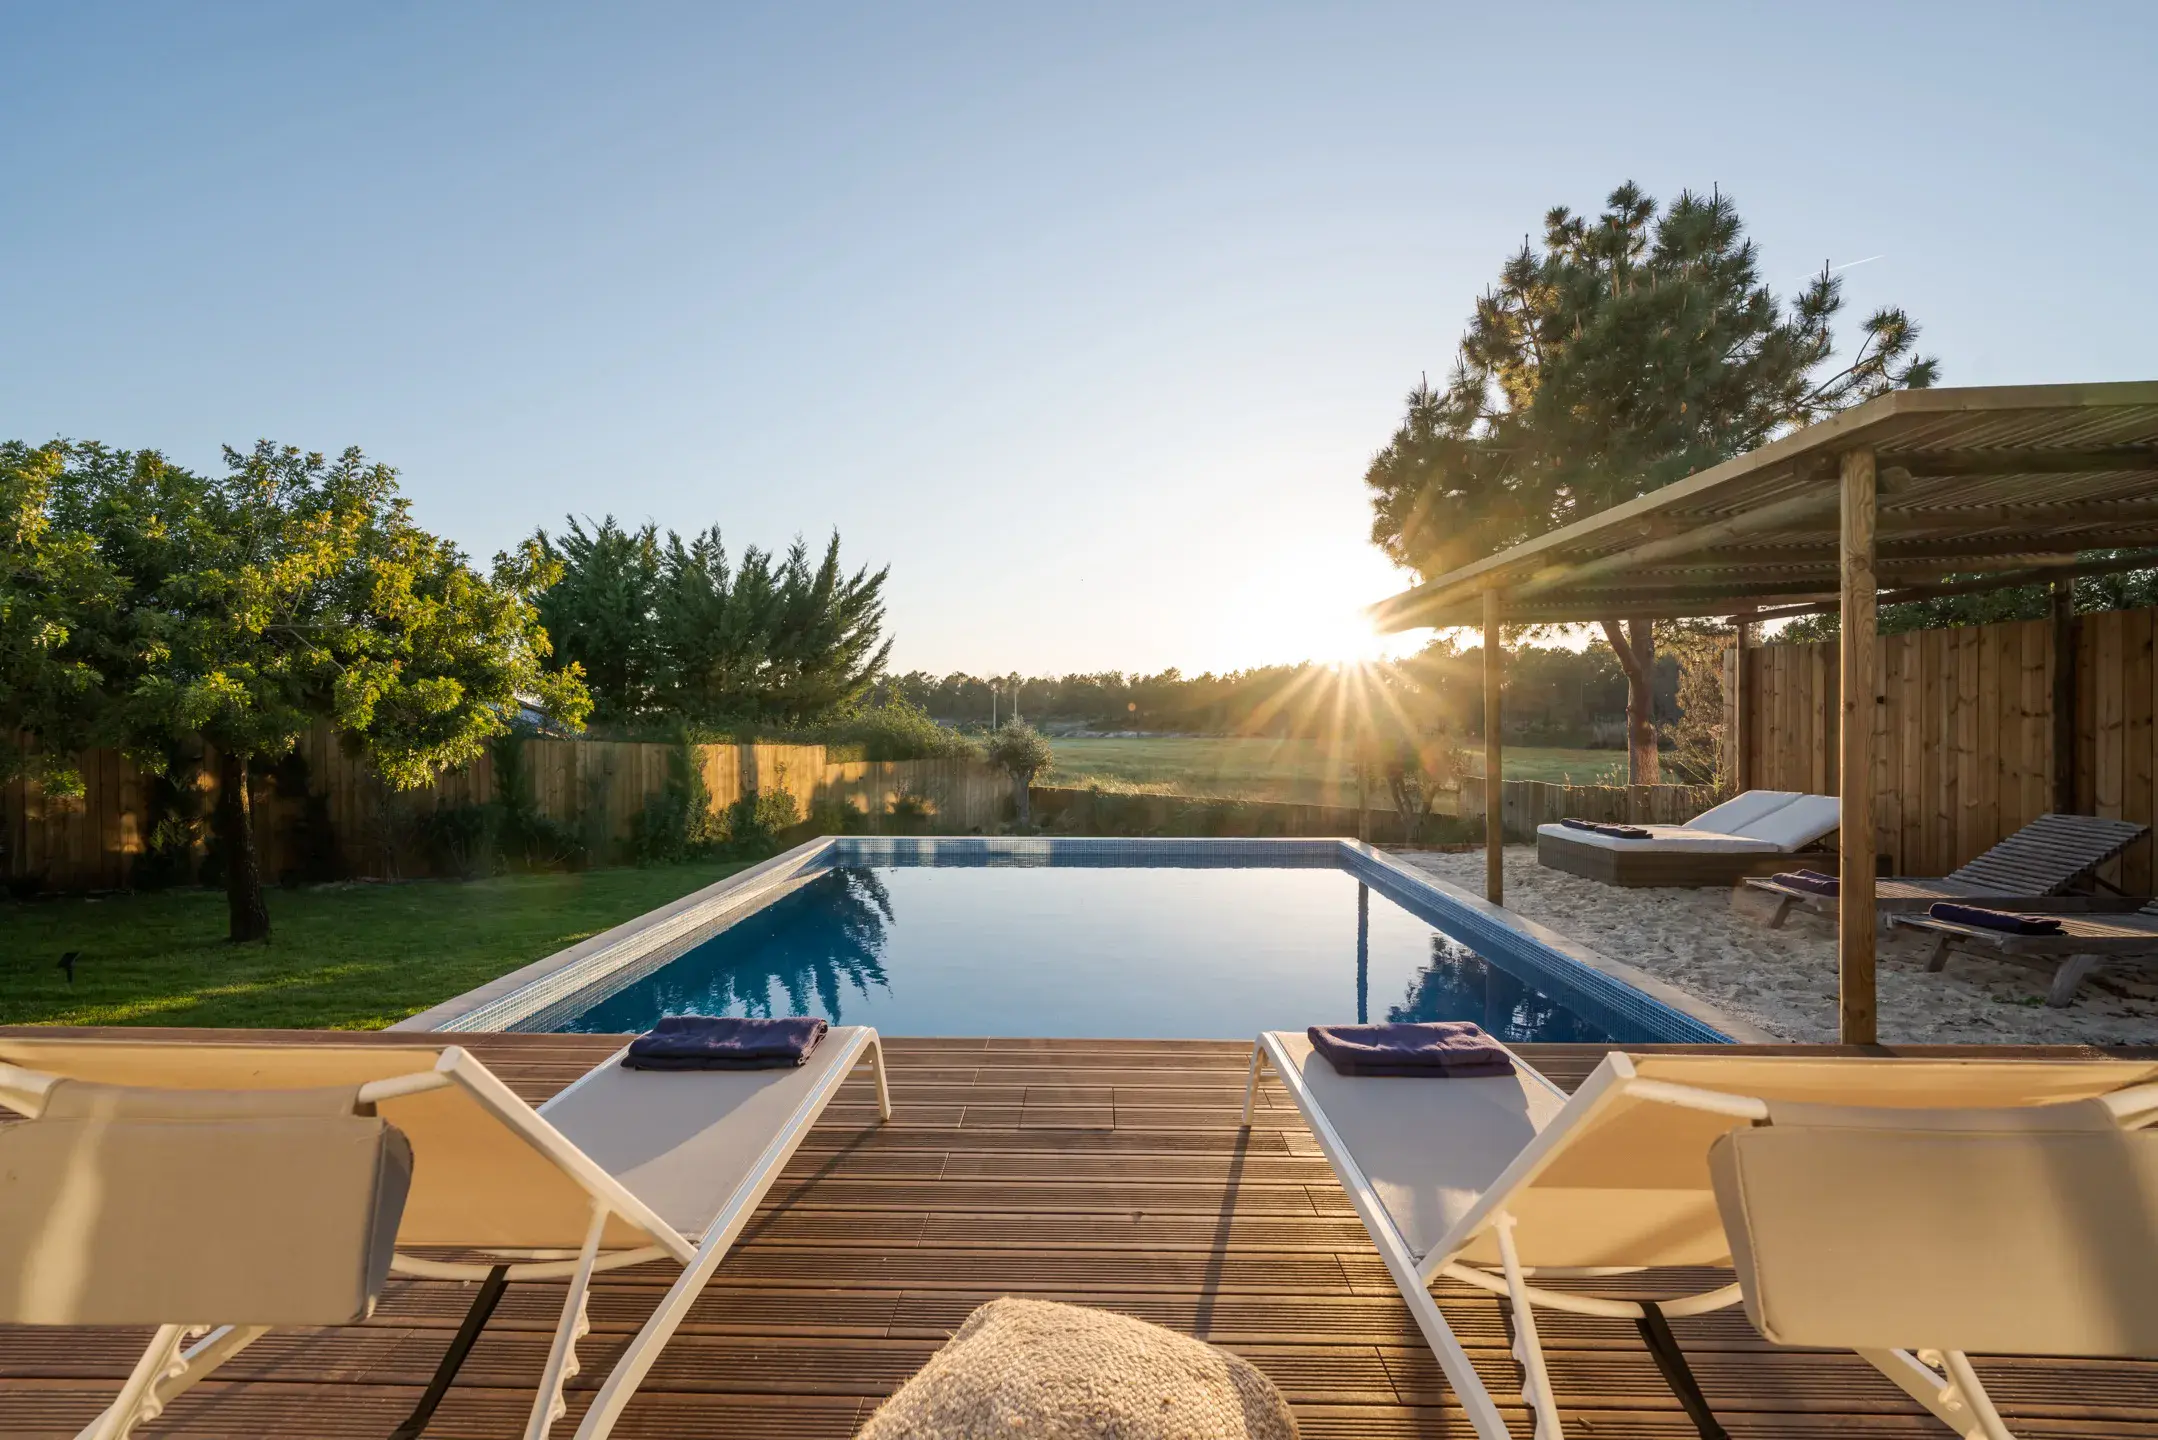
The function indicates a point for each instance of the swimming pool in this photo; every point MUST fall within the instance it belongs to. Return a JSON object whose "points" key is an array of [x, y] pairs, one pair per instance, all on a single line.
{"points": [[1053, 938]]}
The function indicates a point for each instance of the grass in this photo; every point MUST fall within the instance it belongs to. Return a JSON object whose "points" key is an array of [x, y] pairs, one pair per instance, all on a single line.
{"points": [[343, 957], [1557, 764], [1305, 771]]}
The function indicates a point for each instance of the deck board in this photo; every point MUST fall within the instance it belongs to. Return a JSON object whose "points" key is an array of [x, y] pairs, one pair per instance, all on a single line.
{"points": [[1107, 1173]]}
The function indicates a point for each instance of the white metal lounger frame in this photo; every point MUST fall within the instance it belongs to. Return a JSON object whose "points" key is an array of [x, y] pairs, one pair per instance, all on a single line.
{"points": [[1943, 1382], [166, 1369]]}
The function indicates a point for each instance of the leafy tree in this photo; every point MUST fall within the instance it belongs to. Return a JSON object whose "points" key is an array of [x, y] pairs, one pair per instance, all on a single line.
{"points": [[1020, 751], [56, 595], [674, 628], [1632, 350], [290, 590]]}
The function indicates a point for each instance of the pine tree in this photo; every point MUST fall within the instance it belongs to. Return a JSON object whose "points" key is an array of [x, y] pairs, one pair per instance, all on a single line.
{"points": [[1632, 350]]}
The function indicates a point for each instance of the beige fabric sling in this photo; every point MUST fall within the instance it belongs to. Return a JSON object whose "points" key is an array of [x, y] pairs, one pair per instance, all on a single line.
{"points": [[130, 1206], [2029, 1231]]}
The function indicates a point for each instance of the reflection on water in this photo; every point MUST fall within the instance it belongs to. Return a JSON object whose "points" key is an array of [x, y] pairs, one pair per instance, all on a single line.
{"points": [[811, 946], [1159, 952], [1458, 985]]}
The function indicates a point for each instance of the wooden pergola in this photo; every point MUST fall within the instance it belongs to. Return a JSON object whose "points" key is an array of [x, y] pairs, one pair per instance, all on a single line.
{"points": [[1912, 496]]}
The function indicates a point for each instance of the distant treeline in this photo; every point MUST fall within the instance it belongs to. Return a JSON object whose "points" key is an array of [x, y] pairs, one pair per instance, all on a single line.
{"points": [[1553, 695]]}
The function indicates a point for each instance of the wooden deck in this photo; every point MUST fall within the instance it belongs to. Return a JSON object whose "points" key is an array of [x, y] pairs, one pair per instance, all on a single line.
{"points": [[1108, 1173]]}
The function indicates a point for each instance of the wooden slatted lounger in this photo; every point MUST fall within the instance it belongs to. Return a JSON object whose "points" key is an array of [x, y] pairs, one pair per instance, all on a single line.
{"points": [[2033, 870], [2085, 943]]}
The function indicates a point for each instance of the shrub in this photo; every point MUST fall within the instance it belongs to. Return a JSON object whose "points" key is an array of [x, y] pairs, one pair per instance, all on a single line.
{"points": [[311, 846], [837, 817], [1416, 773], [756, 822], [1020, 751], [460, 839], [676, 824], [524, 836], [898, 730], [172, 823], [909, 812]]}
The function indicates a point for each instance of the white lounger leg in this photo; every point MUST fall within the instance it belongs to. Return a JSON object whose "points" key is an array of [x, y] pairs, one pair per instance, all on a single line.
{"points": [[562, 1365], [884, 1088], [165, 1371], [1956, 1398], [1528, 1348]]}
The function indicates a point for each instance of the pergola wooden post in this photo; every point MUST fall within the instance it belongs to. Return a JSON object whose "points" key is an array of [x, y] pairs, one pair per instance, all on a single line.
{"points": [[1740, 740], [1494, 788], [1855, 922]]}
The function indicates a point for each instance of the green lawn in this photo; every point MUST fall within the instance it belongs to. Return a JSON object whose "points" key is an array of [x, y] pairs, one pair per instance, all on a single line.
{"points": [[1307, 771], [345, 957], [1558, 765]]}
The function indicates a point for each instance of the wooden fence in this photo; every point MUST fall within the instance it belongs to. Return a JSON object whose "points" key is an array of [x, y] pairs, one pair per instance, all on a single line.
{"points": [[329, 798], [1964, 733]]}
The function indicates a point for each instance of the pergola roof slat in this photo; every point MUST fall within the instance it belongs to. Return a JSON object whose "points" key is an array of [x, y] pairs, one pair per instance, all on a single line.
{"points": [[1973, 482]]}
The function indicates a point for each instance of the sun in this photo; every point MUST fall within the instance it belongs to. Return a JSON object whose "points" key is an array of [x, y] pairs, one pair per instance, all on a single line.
{"points": [[1340, 636], [1274, 618]]}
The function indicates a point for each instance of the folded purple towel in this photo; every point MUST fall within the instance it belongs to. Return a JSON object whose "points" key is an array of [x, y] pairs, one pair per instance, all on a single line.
{"points": [[710, 1042], [1809, 880], [1617, 832], [1456, 1048], [2005, 921]]}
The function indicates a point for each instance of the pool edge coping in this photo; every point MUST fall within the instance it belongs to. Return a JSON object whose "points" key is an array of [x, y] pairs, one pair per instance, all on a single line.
{"points": [[646, 941], [545, 980], [1738, 1030]]}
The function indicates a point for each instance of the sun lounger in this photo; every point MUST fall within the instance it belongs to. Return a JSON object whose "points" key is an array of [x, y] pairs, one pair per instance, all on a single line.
{"points": [[1502, 1183], [1754, 833], [622, 1168], [2084, 943], [2032, 870]]}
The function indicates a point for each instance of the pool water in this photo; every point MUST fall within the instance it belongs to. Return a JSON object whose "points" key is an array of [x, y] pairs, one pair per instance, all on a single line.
{"points": [[1152, 952]]}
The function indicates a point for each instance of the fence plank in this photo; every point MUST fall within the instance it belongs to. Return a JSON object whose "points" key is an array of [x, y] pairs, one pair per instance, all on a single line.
{"points": [[1966, 733], [2139, 747]]}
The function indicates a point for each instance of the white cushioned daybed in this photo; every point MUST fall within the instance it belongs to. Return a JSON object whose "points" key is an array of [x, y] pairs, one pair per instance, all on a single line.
{"points": [[1759, 832]]}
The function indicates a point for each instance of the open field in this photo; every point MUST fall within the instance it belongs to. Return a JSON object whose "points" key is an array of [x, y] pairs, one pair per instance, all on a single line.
{"points": [[344, 957], [1303, 771]]}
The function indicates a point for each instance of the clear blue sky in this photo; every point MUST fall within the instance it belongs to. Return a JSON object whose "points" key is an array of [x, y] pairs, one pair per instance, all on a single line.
{"points": [[1084, 319]]}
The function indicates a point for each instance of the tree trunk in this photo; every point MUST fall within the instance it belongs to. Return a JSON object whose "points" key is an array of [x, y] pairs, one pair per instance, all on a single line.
{"points": [[1022, 800], [1635, 645], [249, 916]]}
